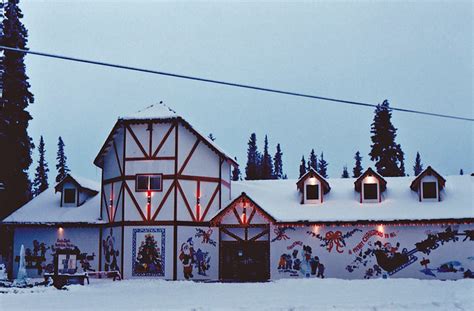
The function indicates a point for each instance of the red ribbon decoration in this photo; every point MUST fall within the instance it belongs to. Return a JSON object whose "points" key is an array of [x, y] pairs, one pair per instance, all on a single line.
{"points": [[334, 238], [280, 234], [206, 236]]}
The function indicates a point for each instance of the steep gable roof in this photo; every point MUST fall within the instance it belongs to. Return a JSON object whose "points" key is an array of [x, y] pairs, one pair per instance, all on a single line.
{"points": [[370, 172], [243, 196], [429, 171]]}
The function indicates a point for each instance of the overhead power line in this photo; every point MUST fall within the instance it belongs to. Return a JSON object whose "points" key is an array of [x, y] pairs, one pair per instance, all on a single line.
{"points": [[232, 84]]}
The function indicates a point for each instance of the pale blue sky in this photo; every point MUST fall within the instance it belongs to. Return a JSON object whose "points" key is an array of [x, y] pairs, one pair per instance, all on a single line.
{"points": [[417, 55]]}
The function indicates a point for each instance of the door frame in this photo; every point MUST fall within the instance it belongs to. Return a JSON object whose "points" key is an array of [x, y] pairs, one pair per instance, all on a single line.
{"points": [[223, 229]]}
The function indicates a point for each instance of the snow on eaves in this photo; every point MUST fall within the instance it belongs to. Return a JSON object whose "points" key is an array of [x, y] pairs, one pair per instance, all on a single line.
{"points": [[86, 183], [155, 111], [281, 199], [46, 209]]}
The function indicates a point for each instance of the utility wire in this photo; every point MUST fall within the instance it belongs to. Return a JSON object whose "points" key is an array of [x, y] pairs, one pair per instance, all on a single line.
{"points": [[233, 84]]}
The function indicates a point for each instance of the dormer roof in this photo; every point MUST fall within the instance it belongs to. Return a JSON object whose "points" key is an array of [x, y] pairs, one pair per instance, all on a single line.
{"points": [[429, 171], [81, 183], [368, 173], [313, 174], [157, 113]]}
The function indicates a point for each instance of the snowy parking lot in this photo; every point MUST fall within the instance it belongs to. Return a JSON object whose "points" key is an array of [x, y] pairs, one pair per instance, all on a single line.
{"points": [[306, 294]]}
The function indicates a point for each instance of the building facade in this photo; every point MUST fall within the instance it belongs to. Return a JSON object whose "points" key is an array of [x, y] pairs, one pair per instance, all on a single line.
{"points": [[166, 208]]}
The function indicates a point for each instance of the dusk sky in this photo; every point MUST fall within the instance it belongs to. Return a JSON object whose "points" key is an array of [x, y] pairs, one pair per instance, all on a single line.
{"points": [[416, 55]]}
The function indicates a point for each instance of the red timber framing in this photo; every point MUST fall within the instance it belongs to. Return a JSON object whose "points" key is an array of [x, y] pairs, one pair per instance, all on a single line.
{"points": [[190, 206], [118, 187]]}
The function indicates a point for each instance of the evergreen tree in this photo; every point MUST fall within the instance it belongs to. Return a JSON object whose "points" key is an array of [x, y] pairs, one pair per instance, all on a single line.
{"points": [[322, 166], [252, 170], [357, 170], [267, 163], [278, 162], [388, 155], [461, 172], [313, 161], [418, 167], [61, 158], [236, 172], [345, 173], [302, 167], [402, 164], [40, 182], [15, 144]]}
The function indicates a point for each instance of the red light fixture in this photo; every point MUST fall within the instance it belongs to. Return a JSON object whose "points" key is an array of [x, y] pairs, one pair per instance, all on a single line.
{"points": [[148, 204], [244, 216]]}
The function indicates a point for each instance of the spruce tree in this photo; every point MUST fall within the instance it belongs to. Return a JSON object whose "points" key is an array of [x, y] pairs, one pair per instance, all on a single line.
{"points": [[40, 182], [345, 173], [388, 155], [302, 167], [461, 172], [15, 144], [313, 161], [278, 162], [402, 163], [322, 166], [236, 172], [267, 164], [418, 167], [253, 159], [357, 170], [61, 159]]}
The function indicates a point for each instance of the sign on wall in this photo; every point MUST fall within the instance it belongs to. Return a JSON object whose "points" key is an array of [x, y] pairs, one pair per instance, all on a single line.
{"points": [[148, 251]]}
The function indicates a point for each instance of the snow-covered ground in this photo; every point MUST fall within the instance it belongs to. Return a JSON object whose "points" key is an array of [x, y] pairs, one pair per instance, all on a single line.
{"points": [[306, 294]]}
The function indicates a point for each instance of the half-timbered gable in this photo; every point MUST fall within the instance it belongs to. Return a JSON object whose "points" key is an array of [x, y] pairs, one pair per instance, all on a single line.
{"points": [[158, 144]]}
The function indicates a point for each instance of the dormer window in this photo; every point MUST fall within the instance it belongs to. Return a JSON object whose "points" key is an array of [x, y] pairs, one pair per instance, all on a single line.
{"points": [[371, 191], [312, 192], [428, 184], [370, 185], [429, 190], [69, 196], [75, 191], [152, 183], [312, 187]]}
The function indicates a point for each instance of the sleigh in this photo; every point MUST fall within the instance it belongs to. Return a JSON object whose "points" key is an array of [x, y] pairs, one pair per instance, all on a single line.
{"points": [[394, 263]]}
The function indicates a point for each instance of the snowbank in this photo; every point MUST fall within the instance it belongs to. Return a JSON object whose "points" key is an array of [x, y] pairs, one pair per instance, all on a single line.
{"points": [[306, 294]]}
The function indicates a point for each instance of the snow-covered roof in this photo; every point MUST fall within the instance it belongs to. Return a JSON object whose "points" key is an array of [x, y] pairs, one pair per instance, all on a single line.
{"points": [[161, 111], [280, 199], [153, 112], [46, 208], [82, 182]]}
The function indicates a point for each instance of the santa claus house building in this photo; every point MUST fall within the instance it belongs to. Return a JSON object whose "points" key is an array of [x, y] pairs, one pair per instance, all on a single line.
{"points": [[166, 208]]}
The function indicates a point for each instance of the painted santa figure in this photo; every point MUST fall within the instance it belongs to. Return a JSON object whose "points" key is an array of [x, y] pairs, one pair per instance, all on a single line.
{"points": [[187, 258]]}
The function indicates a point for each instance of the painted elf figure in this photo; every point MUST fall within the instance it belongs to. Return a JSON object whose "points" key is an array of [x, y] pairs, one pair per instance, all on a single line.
{"points": [[187, 258]]}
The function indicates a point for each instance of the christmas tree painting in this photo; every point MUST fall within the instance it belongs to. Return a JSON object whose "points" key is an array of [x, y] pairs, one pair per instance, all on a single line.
{"points": [[149, 259]]}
